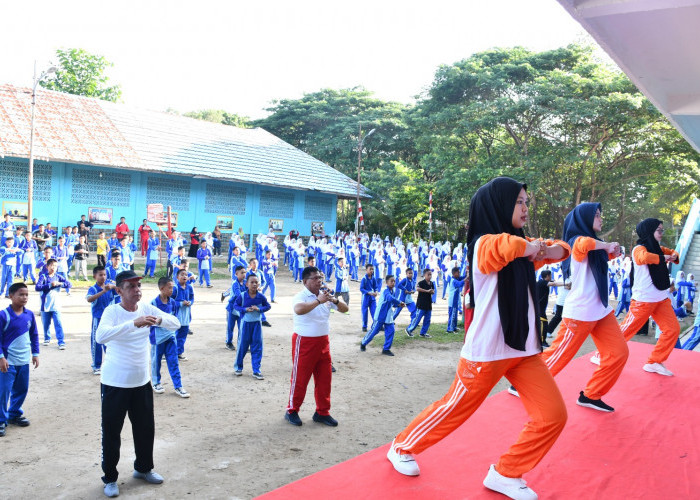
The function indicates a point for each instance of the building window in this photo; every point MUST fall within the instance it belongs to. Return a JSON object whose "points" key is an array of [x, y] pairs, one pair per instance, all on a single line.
{"points": [[13, 180], [225, 199], [276, 204], [110, 189], [318, 208], [173, 192]]}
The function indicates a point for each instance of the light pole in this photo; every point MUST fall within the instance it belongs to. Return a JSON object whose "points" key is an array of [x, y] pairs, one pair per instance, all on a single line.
{"points": [[360, 145], [30, 179]]}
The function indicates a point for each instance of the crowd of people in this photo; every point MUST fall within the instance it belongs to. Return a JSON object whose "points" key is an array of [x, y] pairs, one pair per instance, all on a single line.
{"points": [[506, 280]]}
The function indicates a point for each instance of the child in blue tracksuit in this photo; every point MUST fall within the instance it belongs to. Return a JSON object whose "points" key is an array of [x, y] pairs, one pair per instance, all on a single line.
{"points": [[269, 265], [369, 287], [454, 292], [19, 344], [341, 280], [407, 287], [29, 247], [41, 264], [60, 254], [254, 270], [233, 317], [8, 258], [251, 305], [625, 297], [152, 247], [204, 262], [99, 295], [48, 286], [184, 298], [235, 261], [299, 263], [164, 342], [176, 261], [384, 317]]}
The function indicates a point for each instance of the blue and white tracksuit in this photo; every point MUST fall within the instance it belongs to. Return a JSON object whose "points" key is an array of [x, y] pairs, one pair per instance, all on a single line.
{"points": [[183, 313], [383, 317], [164, 343], [233, 318], [369, 302], [204, 265], [97, 308], [251, 329], [454, 290], [48, 295], [8, 259], [268, 269], [28, 259], [19, 341], [407, 287], [151, 256]]}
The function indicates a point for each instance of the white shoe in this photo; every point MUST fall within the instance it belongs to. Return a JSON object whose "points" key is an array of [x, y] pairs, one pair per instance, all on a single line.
{"points": [[657, 368], [405, 464], [180, 391], [512, 390], [158, 389], [595, 359], [512, 487]]}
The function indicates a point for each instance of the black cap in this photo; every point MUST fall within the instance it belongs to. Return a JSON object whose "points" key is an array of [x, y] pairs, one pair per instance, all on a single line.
{"points": [[127, 276]]}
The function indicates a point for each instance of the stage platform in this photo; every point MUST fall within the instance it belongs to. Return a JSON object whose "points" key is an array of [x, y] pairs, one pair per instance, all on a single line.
{"points": [[649, 448]]}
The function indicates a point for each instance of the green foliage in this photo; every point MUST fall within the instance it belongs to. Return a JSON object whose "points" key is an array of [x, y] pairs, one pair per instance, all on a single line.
{"points": [[82, 73], [220, 116]]}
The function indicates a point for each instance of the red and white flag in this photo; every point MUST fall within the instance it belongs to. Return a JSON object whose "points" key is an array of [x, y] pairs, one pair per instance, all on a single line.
{"points": [[359, 214]]}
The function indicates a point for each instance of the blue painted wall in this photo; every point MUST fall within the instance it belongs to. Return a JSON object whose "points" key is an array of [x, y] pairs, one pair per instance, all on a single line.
{"points": [[64, 191]]}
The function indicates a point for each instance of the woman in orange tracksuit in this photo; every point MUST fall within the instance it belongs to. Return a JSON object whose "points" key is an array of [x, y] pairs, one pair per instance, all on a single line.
{"points": [[650, 295], [586, 310], [503, 340]]}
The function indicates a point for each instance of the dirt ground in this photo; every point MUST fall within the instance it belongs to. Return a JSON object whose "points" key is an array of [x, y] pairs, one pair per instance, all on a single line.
{"points": [[229, 440]]}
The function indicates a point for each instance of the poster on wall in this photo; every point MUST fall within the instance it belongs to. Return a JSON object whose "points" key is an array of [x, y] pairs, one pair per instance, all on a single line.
{"points": [[224, 223], [17, 211], [100, 216], [173, 218], [317, 229], [276, 225]]}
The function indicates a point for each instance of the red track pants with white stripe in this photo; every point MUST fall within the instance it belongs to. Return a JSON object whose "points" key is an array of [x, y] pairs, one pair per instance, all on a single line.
{"points": [[311, 356], [473, 382], [608, 339], [662, 313]]}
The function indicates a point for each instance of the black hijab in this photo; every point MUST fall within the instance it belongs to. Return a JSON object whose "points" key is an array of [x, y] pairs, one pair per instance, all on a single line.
{"points": [[579, 222], [491, 212], [658, 272]]}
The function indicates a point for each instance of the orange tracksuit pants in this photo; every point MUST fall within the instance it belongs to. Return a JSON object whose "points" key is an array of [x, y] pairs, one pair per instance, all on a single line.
{"points": [[662, 313], [472, 384], [609, 341]]}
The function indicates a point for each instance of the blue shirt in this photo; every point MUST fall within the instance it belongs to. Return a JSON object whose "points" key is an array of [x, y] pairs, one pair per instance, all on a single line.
{"points": [[152, 252], [98, 305], [385, 307], [368, 284], [244, 301], [341, 279], [237, 288], [47, 293], [204, 263], [407, 285], [19, 338], [9, 256], [158, 334], [454, 288], [181, 294]]}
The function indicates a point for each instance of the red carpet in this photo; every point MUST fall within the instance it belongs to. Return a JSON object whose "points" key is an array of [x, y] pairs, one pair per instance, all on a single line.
{"points": [[648, 448]]}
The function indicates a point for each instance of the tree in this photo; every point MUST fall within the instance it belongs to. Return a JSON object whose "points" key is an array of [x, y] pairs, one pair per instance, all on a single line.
{"points": [[82, 73], [220, 116]]}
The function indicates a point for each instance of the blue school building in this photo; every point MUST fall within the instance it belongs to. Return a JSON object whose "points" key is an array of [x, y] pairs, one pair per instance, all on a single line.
{"points": [[107, 161]]}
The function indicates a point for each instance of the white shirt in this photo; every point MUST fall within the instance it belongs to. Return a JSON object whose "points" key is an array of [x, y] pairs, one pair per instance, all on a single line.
{"points": [[314, 323], [563, 292], [485, 340], [583, 301], [128, 357], [643, 289]]}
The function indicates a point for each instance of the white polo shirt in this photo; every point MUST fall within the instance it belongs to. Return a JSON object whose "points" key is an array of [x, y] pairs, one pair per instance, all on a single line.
{"points": [[314, 323]]}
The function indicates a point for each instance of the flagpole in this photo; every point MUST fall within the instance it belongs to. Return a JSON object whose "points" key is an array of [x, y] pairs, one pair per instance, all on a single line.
{"points": [[430, 217]]}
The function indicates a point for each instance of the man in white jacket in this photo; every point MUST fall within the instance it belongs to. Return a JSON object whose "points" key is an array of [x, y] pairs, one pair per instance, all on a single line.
{"points": [[126, 379]]}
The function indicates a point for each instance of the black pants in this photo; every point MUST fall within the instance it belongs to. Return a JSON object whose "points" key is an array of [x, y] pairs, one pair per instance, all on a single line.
{"points": [[101, 260], [556, 319], [116, 403]]}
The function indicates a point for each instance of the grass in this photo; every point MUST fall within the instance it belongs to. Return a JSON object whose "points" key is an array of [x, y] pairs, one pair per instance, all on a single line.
{"points": [[437, 333]]}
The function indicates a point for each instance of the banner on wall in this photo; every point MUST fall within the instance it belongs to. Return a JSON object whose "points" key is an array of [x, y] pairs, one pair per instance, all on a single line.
{"points": [[155, 213]]}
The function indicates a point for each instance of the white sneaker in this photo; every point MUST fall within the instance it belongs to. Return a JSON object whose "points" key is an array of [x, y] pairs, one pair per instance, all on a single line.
{"points": [[47, 342], [158, 389], [595, 359], [512, 390], [657, 368], [180, 391], [405, 464], [512, 487]]}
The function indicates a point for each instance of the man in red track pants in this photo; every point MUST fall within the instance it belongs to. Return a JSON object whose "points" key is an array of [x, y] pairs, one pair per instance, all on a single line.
{"points": [[311, 353]]}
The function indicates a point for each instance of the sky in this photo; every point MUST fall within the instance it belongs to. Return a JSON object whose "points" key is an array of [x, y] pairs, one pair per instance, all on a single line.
{"points": [[241, 56]]}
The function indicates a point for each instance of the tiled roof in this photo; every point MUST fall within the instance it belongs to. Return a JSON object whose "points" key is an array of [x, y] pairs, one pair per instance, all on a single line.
{"points": [[90, 131]]}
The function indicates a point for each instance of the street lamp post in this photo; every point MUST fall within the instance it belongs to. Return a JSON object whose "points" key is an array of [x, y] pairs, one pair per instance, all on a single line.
{"points": [[30, 179], [360, 145]]}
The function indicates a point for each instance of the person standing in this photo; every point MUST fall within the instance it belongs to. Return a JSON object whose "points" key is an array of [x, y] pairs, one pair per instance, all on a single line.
{"points": [[126, 379], [122, 229], [311, 353], [144, 233]]}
